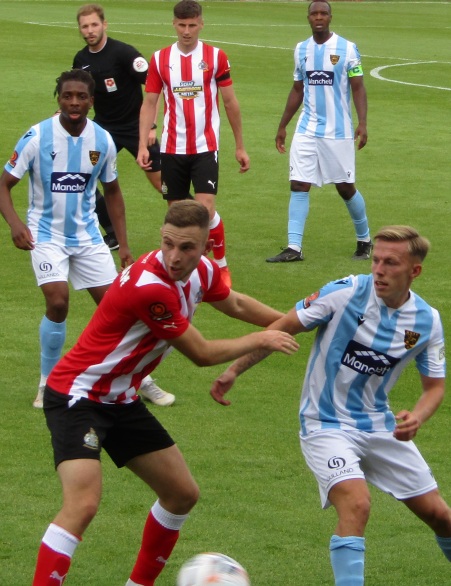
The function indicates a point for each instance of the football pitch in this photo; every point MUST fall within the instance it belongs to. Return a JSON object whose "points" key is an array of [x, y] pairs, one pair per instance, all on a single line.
{"points": [[259, 503]]}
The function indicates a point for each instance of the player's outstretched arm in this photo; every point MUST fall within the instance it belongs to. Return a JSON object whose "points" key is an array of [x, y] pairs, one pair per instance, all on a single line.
{"points": [[288, 323], [210, 352]]}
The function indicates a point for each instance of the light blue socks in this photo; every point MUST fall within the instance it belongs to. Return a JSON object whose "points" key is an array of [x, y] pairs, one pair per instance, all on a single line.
{"points": [[347, 556], [52, 336], [298, 210], [357, 211]]}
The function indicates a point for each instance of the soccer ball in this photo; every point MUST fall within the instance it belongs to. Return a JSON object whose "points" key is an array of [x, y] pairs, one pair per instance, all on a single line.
{"points": [[212, 569]]}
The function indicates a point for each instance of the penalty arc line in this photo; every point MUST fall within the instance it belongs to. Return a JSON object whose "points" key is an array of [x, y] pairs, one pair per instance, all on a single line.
{"points": [[376, 73]]}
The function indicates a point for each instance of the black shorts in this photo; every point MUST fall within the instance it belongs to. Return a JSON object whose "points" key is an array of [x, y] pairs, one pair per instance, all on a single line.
{"points": [[82, 430], [130, 142], [179, 171]]}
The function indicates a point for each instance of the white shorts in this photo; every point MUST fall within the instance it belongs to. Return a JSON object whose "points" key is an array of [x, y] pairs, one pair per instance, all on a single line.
{"points": [[85, 266], [322, 160], [394, 467]]}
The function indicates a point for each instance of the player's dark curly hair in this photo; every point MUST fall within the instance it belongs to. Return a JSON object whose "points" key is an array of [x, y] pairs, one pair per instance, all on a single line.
{"points": [[75, 75]]}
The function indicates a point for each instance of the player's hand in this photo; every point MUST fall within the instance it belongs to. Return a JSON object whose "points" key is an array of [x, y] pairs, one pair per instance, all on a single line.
{"points": [[243, 159], [278, 341], [407, 426], [280, 140], [221, 386], [125, 256], [361, 134], [152, 137], [143, 159], [21, 236]]}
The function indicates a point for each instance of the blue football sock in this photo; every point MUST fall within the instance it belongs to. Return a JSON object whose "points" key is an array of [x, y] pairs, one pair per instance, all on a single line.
{"points": [[357, 211], [347, 556], [297, 215], [444, 544], [52, 336]]}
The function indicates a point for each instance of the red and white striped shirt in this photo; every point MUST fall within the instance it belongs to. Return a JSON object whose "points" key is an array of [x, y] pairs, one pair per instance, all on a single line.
{"points": [[191, 103], [131, 330]]}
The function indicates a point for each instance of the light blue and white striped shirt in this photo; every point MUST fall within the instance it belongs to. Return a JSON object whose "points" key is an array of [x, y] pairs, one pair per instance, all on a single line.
{"points": [[63, 173], [324, 70], [361, 348]]}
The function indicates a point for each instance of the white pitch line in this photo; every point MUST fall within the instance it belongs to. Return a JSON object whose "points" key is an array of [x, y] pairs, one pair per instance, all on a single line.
{"points": [[375, 73]]}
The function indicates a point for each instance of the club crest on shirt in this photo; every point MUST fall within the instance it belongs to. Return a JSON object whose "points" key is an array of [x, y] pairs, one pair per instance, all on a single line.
{"points": [[91, 440], [199, 296], [203, 66], [94, 157], [334, 59], [308, 300], [410, 339], [159, 312]]}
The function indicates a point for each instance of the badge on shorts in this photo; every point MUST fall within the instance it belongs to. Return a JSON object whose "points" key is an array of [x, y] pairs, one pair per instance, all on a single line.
{"points": [[91, 440]]}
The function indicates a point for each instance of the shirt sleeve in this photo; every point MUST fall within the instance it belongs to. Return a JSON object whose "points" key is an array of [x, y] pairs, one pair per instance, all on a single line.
{"points": [[135, 63], [24, 153], [109, 169], [154, 83], [223, 77], [159, 308], [431, 361]]}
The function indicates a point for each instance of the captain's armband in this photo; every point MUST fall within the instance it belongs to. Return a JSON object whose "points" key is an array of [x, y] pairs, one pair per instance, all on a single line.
{"points": [[355, 71]]}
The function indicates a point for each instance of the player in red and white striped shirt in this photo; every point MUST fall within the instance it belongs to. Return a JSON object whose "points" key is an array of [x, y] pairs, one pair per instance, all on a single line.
{"points": [[191, 76], [91, 402]]}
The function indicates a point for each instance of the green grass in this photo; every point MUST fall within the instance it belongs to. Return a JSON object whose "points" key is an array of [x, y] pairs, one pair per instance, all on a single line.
{"points": [[259, 502]]}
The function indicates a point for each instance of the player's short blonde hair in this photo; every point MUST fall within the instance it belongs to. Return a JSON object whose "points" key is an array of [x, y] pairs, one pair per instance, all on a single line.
{"points": [[418, 245]]}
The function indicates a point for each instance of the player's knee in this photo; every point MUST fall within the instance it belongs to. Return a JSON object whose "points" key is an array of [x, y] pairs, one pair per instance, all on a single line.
{"points": [[189, 496], [300, 186], [345, 190], [361, 507]]}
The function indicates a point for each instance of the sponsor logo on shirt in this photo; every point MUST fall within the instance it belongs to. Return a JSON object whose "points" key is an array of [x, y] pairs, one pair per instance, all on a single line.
{"points": [[367, 361], [110, 85], [320, 77], [187, 90], [69, 182]]}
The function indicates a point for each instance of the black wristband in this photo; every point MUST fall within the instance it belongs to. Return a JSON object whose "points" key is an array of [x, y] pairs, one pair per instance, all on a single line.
{"points": [[154, 126]]}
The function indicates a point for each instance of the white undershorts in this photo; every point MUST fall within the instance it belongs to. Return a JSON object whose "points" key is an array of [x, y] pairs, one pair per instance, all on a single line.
{"points": [[322, 160], [393, 466], [85, 266]]}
